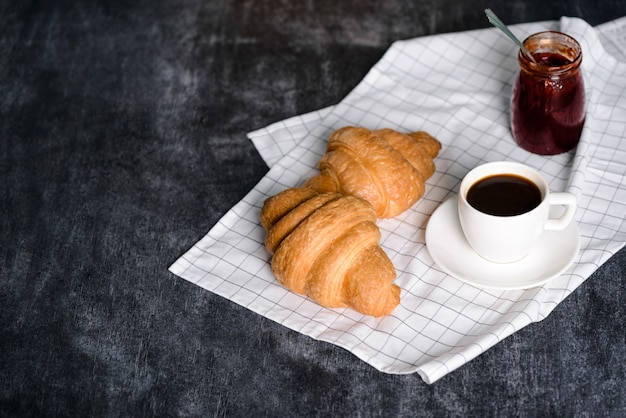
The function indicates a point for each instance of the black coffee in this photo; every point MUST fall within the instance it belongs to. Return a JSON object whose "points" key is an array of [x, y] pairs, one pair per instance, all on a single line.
{"points": [[504, 195]]}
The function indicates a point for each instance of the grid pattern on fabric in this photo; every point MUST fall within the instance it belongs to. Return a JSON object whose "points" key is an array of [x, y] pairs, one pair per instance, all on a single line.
{"points": [[456, 87]]}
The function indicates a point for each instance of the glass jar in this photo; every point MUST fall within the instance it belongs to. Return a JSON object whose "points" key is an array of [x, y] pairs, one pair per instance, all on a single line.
{"points": [[548, 100]]}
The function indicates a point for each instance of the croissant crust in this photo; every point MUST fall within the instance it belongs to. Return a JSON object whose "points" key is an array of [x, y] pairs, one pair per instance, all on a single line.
{"points": [[323, 236], [385, 167], [326, 246]]}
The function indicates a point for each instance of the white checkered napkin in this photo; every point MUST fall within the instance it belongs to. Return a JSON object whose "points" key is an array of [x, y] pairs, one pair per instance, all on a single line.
{"points": [[613, 37], [455, 86]]}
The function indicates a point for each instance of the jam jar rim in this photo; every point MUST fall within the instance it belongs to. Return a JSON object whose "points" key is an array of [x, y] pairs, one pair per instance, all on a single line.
{"points": [[551, 71]]}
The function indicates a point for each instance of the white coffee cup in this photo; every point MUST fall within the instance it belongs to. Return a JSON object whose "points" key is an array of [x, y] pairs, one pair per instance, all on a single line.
{"points": [[505, 239]]}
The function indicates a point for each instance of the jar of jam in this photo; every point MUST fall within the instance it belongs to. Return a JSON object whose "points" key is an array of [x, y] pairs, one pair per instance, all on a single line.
{"points": [[548, 100]]}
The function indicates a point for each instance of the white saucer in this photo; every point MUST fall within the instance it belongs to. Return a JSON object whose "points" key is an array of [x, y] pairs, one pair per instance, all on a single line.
{"points": [[446, 243]]}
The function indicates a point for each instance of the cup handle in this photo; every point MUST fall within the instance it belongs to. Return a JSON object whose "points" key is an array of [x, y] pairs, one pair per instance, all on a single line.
{"points": [[564, 199]]}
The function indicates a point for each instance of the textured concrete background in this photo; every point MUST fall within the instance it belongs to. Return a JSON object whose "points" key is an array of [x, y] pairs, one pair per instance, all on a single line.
{"points": [[122, 141]]}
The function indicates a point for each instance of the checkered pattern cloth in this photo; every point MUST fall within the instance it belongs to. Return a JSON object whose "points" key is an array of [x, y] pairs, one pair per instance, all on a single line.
{"points": [[456, 87]]}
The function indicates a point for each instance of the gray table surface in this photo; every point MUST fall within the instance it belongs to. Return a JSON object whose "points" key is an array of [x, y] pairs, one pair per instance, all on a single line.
{"points": [[122, 142]]}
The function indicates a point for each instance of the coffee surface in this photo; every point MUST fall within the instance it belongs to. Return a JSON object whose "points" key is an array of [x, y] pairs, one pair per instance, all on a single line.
{"points": [[504, 195]]}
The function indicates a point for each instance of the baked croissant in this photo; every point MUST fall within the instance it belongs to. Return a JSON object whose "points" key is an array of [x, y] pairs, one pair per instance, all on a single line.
{"points": [[326, 246], [385, 167]]}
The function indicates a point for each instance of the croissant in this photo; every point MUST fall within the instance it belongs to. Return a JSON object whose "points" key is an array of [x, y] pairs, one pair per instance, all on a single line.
{"points": [[385, 167], [326, 246]]}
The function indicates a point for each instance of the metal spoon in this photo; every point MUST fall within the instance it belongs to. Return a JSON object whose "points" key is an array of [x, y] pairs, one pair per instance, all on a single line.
{"points": [[495, 21]]}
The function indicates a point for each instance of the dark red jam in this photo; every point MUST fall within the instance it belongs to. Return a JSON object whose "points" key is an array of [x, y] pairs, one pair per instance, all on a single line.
{"points": [[551, 59], [548, 100]]}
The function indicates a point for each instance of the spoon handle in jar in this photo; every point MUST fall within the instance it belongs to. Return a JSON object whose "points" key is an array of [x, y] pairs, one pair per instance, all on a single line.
{"points": [[495, 21]]}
